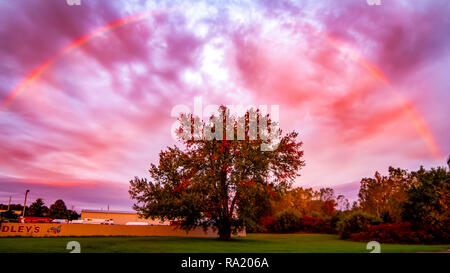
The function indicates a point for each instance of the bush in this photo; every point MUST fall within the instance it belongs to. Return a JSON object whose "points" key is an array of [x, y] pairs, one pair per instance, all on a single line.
{"points": [[335, 219], [286, 221], [387, 233], [315, 224], [403, 233], [356, 222]]}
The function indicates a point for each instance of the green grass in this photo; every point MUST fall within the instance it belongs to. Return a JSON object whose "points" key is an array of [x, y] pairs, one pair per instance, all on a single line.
{"points": [[261, 243]]}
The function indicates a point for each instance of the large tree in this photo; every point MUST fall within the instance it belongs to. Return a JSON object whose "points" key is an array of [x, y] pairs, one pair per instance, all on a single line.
{"points": [[223, 182]]}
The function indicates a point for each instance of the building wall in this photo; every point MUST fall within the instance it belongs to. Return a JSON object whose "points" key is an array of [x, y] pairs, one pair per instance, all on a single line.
{"points": [[59, 230], [120, 218]]}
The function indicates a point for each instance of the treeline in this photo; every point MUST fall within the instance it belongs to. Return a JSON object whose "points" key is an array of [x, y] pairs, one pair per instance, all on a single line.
{"points": [[402, 207], [57, 210]]}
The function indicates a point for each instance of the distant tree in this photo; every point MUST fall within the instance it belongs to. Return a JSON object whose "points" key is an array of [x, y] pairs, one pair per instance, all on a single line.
{"points": [[13, 207], [342, 203], [37, 208], [297, 199], [72, 215], [326, 194], [383, 196], [306, 202], [58, 210], [428, 200], [218, 182], [9, 214]]}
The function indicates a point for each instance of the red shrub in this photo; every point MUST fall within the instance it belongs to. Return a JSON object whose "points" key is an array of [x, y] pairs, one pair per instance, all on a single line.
{"points": [[267, 221], [401, 233], [314, 224]]}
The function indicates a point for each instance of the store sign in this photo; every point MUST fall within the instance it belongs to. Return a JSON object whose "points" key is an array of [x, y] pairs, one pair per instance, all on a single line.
{"points": [[21, 229]]}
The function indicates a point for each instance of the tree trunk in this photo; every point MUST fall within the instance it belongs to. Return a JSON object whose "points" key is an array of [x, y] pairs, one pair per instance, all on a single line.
{"points": [[225, 230]]}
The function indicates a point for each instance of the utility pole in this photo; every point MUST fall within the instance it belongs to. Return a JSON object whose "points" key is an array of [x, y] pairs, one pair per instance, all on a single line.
{"points": [[9, 203], [25, 202]]}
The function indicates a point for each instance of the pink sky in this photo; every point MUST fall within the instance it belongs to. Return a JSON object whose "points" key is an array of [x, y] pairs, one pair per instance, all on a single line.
{"points": [[366, 87]]}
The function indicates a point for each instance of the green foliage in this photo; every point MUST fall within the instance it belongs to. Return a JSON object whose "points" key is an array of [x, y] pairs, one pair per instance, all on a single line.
{"points": [[383, 196], [226, 184], [355, 222], [286, 221], [252, 243], [428, 200], [306, 201], [334, 220]]}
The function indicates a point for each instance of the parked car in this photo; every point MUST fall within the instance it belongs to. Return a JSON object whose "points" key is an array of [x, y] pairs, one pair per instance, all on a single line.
{"points": [[137, 224], [60, 221]]}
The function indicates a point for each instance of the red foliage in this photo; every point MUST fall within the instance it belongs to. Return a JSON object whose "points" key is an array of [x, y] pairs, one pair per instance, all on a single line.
{"points": [[401, 233], [267, 221], [270, 191], [314, 224], [182, 186], [329, 207]]}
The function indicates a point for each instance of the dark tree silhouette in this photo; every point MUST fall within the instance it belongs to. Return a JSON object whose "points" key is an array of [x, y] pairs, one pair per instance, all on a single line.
{"points": [[58, 210], [37, 208]]}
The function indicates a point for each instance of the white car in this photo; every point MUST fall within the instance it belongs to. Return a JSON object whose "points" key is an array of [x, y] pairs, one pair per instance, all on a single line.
{"points": [[60, 221], [137, 224]]}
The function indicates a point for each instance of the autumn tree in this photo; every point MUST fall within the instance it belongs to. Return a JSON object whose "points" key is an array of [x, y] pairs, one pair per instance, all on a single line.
{"points": [[383, 196], [307, 201], [222, 181], [342, 203], [297, 199]]}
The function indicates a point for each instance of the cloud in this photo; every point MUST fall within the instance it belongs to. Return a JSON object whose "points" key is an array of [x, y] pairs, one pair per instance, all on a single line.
{"points": [[80, 194], [398, 36], [102, 112]]}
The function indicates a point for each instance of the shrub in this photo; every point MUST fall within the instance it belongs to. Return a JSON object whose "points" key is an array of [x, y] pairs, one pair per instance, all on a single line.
{"points": [[387, 233], [335, 219], [355, 222], [266, 224], [315, 224], [267, 221], [403, 233], [286, 221]]}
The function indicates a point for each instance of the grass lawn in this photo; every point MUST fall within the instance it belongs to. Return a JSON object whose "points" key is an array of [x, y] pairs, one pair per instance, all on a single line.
{"points": [[260, 243]]}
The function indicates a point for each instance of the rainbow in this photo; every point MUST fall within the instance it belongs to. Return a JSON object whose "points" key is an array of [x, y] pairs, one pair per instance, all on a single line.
{"points": [[30, 78], [417, 120]]}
